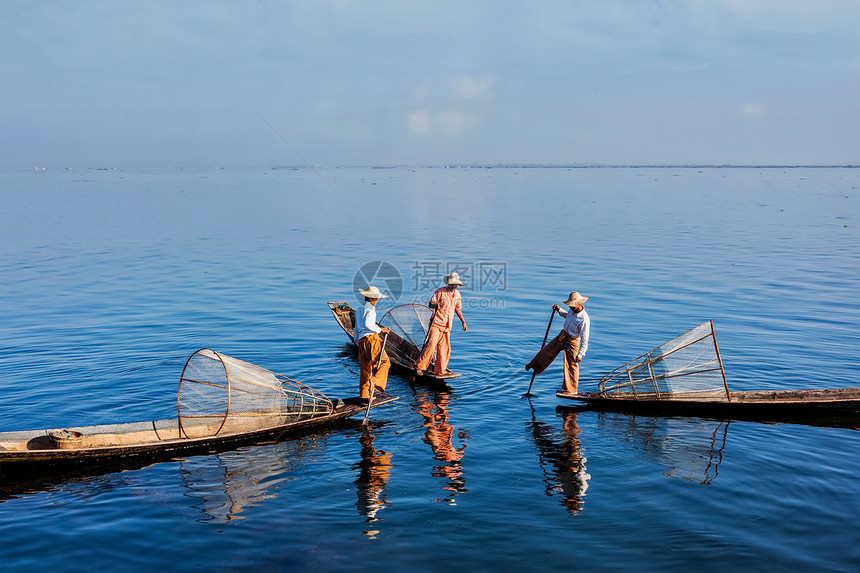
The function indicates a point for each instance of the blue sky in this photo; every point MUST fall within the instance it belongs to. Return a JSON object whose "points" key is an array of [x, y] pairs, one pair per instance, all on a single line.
{"points": [[158, 84]]}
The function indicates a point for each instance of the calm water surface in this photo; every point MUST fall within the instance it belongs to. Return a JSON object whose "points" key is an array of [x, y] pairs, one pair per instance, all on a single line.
{"points": [[110, 279]]}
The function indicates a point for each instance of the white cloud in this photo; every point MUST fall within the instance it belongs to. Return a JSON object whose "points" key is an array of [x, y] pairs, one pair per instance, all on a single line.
{"points": [[446, 122], [452, 122], [753, 109], [419, 122], [472, 88]]}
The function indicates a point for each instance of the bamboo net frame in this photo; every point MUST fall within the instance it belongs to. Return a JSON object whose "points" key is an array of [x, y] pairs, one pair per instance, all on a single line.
{"points": [[688, 366], [409, 321], [220, 395]]}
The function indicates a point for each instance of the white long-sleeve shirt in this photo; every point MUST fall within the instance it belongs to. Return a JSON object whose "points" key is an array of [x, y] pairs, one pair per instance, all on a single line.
{"points": [[365, 321], [578, 325]]}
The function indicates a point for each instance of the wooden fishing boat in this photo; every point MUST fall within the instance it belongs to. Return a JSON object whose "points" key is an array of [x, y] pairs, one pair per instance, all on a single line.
{"points": [[223, 402], [408, 324], [80, 445], [685, 376]]}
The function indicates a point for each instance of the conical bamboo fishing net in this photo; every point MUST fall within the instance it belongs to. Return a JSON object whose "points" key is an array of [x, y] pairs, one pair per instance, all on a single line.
{"points": [[409, 324], [688, 366], [409, 321], [220, 395]]}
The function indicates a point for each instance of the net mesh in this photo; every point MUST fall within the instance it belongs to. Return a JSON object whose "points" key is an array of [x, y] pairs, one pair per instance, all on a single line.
{"points": [[221, 395], [688, 366], [409, 322]]}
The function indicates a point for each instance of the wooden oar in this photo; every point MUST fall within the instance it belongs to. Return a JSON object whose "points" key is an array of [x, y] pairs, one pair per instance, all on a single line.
{"points": [[373, 373], [548, 326]]}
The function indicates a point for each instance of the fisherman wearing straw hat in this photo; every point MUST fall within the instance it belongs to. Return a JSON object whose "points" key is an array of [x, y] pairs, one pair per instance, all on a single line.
{"points": [[370, 344], [573, 339], [446, 301]]}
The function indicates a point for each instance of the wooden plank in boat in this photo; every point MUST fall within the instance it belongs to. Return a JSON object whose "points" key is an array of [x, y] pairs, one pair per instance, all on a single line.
{"points": [[447, 376]]}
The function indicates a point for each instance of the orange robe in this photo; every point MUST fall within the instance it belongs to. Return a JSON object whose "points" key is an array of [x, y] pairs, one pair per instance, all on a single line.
{"points": [[369, 349], [439, 337], [547, 354]]}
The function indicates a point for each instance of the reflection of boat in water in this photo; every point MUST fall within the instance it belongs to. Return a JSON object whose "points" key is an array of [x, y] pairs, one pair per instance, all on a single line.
{"points": [[372, 481], [440, 437], [561, 459], [689, 448], [685, 377], [222, 402], [408, 324]]}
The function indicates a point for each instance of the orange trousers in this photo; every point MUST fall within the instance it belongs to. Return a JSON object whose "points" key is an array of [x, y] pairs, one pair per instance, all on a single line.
{"points": [[438, 339], [547, 354], [369, 349]]}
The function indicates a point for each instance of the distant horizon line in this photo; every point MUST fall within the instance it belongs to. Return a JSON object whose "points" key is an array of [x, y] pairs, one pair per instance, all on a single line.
{"points": [[480, 166]]}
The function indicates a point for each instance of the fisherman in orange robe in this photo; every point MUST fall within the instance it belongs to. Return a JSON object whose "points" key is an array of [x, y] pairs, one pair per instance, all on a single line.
{"points": [[446, 301], [572, 340], [370, 344]]}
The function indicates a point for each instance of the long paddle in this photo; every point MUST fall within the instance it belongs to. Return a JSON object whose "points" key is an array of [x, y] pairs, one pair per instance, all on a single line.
{"points": [[373, 373], [548, 326]]}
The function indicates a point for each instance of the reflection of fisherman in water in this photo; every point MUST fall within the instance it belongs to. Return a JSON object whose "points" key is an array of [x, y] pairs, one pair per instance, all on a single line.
{"points": [[375, 469], [561, 460], [439, 436]]}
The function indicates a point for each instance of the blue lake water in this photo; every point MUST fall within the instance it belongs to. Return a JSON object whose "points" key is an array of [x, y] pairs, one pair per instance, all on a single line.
{"points": [[111, 279]]}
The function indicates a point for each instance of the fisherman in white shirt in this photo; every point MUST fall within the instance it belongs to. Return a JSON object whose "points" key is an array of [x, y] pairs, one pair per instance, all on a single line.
{"points": [[573, 339], [369, 344]]}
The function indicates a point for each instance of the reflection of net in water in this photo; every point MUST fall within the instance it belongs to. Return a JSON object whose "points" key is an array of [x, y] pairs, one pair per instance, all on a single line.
{"points": [[689, 448], [221, 395], [688, 366], [223, 486]]}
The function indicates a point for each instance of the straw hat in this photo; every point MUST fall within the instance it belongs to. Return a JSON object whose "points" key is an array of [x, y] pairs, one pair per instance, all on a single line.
{"points": [[575, 299], [372, 292], [453, 279]]}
